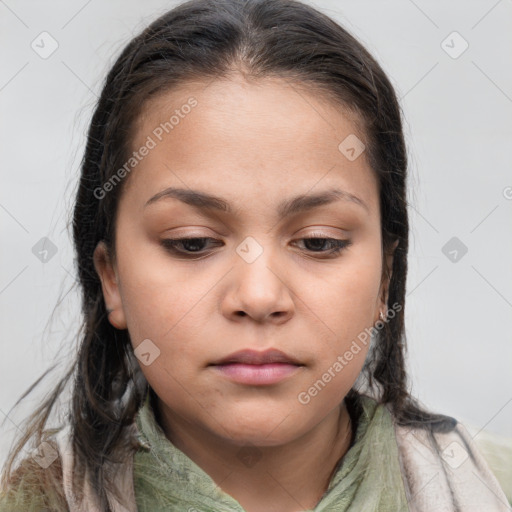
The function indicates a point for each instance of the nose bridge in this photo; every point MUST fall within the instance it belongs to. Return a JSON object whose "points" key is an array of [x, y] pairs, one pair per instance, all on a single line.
{"points": [[260, 290], [256, 261]]}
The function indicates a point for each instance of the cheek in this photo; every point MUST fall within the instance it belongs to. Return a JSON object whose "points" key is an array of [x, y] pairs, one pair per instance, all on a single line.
{"points": [[347, 297], [167, 304], [345, 307], [158, 296]]}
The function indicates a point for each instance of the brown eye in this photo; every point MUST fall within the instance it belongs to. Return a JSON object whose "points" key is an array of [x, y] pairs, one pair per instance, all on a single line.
{"points": [[318, 244], [186, 246]]}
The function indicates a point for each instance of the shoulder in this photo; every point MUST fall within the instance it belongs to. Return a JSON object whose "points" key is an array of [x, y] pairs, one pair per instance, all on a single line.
{"points": [[36, 482], [497, 451], [444, 470], [43, 481]]}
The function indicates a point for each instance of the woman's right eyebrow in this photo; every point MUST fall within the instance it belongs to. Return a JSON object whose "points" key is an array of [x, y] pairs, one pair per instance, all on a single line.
{"points": [[205, 201]]}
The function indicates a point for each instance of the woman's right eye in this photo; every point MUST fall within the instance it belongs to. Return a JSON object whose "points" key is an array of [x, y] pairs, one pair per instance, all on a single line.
{"points": [[192, 245]]}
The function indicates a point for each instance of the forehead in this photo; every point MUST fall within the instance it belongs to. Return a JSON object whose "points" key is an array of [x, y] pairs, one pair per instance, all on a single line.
{"points": [[245, 140]]}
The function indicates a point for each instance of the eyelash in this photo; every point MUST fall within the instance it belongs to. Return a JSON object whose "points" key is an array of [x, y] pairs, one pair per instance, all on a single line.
{"points": [[171, 243]]}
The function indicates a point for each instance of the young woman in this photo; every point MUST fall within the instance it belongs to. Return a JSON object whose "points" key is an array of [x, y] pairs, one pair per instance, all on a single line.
{"points": [[241, 235]]}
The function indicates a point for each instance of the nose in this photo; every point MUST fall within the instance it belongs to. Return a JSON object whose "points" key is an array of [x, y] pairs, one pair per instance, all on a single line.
{"points": [[259, 290]]}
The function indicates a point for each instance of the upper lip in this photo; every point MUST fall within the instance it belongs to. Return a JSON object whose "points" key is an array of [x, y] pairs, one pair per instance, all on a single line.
{"points": [[249, 356]]}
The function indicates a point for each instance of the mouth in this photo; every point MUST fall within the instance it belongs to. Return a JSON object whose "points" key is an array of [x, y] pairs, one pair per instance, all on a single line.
{"points": [[257, 368]]}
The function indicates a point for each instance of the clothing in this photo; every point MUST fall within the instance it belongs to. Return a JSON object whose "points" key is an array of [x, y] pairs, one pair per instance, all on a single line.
{"points": [[497, 452], [388, 468], [166, 479]]}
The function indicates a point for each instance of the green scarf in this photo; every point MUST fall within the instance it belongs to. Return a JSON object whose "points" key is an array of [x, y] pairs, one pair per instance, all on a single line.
{"points": [[368, 477]]}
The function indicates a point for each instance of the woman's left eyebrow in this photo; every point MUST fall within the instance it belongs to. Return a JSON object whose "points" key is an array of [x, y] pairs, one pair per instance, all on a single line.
{"points": [[204, 201]]}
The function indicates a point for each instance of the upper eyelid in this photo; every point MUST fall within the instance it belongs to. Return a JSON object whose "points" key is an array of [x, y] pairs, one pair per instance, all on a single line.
{"points": [[197, 237]]}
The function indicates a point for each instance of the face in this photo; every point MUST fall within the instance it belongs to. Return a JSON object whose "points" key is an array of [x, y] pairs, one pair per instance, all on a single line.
{"points": [[249, 278]]}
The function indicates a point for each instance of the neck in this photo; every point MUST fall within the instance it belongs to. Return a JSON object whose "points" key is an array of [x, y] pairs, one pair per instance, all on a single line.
{"points": [[285, 477]]}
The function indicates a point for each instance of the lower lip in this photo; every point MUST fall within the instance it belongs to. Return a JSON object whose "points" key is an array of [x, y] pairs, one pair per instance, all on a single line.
{"points": [[257, 374]]}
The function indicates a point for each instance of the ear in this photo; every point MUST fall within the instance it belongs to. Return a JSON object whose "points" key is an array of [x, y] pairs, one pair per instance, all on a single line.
{"points": [[107, 273], [387, 273]]}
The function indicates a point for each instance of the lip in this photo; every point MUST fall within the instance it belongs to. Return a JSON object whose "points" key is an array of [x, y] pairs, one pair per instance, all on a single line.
{"points": [[257, 368], [257, 374], [254, 357]]}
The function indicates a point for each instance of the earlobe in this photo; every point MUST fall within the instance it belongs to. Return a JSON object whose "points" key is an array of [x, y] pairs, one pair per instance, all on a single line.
{"points": [[109, 284]]}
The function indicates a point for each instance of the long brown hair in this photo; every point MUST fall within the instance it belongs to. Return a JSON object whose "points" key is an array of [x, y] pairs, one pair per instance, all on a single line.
{"points": [[211, 39]]}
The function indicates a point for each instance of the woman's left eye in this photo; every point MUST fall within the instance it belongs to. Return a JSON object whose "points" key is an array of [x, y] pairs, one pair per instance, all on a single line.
{"points": [[195, 245]]}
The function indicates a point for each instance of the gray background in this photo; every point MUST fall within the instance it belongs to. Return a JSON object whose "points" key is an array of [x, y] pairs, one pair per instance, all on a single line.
{"points": [[458, 112]]}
